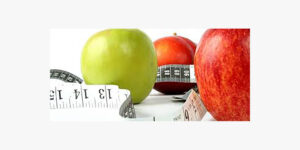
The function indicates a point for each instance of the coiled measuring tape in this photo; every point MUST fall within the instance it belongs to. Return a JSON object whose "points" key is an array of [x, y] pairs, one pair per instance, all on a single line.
{"points": [[64, 76], [71, 100], [192, 109], [176, 73], [105, 102]]}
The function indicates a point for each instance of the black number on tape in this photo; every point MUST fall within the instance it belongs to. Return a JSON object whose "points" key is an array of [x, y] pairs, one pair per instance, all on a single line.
{"points": [[81, 98], [175, 73]]}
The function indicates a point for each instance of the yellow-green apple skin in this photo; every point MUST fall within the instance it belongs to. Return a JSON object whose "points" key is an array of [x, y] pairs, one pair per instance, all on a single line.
{"points": [[123, 57]]}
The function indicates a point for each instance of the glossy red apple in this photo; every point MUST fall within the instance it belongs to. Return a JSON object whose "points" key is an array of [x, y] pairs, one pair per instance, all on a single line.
{"points": [[222, 68], [174, 50]]}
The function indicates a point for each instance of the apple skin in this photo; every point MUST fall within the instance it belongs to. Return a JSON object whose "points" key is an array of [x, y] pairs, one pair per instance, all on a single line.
{"points": [[191, 43], [174, 50], [123, 57], [222, 68]]}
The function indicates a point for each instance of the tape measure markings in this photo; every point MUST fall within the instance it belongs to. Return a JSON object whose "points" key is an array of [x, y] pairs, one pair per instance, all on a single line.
{"points": [[176, 73], [65, 96], [106, 96], [64, 76], [71, 95]]}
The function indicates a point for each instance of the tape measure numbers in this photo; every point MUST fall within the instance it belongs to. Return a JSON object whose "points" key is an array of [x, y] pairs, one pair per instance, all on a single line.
{"points": [[109, 101], [69, 94], [64, 76], [176, 73]]}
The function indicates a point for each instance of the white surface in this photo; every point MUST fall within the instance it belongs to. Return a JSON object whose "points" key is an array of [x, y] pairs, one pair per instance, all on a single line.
{"points": [[160, 105]]}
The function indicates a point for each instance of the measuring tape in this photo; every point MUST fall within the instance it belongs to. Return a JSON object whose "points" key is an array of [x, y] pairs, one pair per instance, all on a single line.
{"points": [[192, 109], [102, 100], [64, 76], [176, 73], [72, 101]]}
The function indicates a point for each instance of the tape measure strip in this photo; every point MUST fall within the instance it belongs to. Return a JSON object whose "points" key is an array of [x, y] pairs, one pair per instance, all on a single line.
{"points": [[79, 96], [176, 73], [71, 95], [192, 110], [185, 96], [127, 109], [64, 76]]}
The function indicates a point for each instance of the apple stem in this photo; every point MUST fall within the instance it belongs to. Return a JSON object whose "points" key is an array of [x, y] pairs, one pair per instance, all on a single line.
{"points": [[175, 34]]}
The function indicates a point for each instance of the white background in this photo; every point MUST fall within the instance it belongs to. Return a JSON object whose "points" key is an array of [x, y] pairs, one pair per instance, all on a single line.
{"points": [[24, 60]]}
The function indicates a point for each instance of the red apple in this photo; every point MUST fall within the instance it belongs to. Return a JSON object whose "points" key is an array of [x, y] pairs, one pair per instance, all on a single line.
{"points": [[174, 50], [222, 68]]}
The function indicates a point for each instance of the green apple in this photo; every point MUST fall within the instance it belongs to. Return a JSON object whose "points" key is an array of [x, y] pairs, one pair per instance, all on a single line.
{"points": [[123, 57]]}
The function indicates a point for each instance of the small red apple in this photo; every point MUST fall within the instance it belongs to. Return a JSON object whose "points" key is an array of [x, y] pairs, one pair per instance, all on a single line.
{"points": [[222, 68], [174, 50]]}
